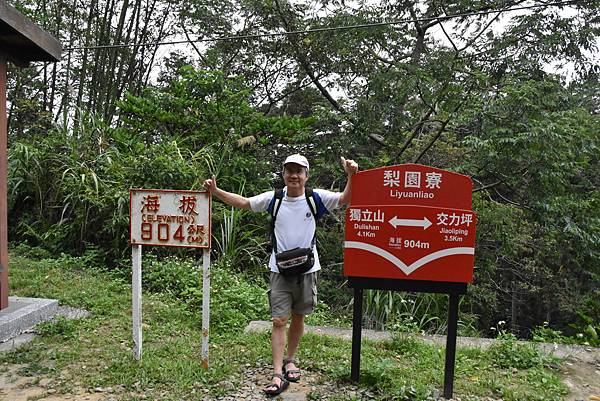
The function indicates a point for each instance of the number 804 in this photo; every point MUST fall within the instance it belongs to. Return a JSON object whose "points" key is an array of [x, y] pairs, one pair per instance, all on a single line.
{"points": [[164, 232]]}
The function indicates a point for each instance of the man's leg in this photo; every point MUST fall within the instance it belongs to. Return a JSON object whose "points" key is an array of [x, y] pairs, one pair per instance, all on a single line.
{"points": [[280, 302], [277, 347], [278, 342], [295, 333]]}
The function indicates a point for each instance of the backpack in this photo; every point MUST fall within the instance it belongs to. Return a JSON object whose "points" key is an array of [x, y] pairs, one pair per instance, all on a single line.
{"points": [[317, 208], [287, 259]]}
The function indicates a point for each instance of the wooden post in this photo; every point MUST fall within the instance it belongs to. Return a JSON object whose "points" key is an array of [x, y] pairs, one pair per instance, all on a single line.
{"points": [[205, 305], [136, 300], [3, 190]]}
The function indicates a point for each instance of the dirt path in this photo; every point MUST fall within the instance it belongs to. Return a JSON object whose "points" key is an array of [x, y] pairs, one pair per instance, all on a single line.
{"points": [[583, 379], [17, 385]]}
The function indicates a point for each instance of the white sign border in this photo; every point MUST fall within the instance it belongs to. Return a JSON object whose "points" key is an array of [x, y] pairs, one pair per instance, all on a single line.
{"points": [[195, 192]]}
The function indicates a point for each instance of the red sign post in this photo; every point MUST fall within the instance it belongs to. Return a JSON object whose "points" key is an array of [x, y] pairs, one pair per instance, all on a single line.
{"points": [[410, 228]]}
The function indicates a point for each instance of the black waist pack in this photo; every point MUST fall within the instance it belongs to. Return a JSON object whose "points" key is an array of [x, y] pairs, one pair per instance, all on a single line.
{"points": [[295, 261]]}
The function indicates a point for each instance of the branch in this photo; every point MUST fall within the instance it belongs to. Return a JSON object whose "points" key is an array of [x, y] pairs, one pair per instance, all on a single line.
{"points": [[443, 126], [423, 120], [487, 186], [420, 45], [193, 43], [437, 136], [284, 95], [432, 108], [511, 201], [306, 66], [415, 131], [449, 38], [470, 42]]}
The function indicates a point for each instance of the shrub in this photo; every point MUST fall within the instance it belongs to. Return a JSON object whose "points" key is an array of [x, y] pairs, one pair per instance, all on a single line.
{"points": [[510, 353], [235, 298]]}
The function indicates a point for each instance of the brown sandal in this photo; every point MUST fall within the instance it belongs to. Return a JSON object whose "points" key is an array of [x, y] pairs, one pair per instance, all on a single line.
{"points": [[273, 389], [291, 375]]}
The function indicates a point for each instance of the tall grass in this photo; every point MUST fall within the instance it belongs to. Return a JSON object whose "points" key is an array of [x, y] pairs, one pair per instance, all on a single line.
{"points": [[410, 312], [238, 245]]}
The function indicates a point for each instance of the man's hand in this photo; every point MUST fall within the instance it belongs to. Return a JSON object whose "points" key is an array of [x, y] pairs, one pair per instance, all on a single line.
{"points": [[229, 198], [211, 184], [350, 166]]}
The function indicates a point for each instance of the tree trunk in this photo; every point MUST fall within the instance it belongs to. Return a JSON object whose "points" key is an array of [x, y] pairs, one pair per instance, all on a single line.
{"points": [[84, 60], [64, 104], [514, 305], [105, 98]]}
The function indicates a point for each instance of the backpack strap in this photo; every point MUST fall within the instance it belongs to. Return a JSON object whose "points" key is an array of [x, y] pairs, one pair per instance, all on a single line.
{"points": [[315, 204], [310, 199], [273, 209], [275, 204]]}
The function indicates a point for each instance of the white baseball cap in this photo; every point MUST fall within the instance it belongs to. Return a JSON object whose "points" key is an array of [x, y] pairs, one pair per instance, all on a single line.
{"points": [[298, 159]]}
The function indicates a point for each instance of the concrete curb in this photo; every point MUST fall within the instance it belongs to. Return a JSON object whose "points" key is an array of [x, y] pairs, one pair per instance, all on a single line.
{"points": [[23, 314]]}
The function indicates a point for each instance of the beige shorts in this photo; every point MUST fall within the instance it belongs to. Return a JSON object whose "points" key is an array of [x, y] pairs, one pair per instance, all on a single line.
{"points": [[297, 294]]}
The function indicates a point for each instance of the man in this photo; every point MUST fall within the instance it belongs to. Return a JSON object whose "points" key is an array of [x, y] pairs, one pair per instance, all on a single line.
{"points": [[294, 228]]}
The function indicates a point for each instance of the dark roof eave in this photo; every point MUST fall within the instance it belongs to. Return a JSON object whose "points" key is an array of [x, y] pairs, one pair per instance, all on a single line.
{"points": [[23, 41]]}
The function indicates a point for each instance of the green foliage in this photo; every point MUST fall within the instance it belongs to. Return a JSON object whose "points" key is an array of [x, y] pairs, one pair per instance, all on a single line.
{"points": [[402, 369], [239, 247], [60, 326], [583, 331], [412, 313], [546, 334], [407, 345], [206, 110], [235, 300], [71, 197], [31, 252], [510, 353], [172, 275]]}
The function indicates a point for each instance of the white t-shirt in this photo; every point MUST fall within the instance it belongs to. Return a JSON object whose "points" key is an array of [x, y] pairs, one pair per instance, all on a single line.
{"points": [[295, 225]]}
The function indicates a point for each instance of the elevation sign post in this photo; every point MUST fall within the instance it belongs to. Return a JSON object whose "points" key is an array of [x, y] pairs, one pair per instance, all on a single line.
{"points": [[410, 228], [161, 217]]}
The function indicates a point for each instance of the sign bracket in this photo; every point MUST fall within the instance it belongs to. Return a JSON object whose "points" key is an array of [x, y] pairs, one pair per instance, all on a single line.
{"points": [[451, 288]]}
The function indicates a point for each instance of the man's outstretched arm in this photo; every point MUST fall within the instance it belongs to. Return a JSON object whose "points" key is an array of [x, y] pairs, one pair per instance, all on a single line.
{"points": [[229, 198], [351, 168]]}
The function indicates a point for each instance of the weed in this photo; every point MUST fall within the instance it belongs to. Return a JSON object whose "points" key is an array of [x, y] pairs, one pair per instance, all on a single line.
{"points": [[406, 344], [510, 353], [59, 326], [34, 369]]}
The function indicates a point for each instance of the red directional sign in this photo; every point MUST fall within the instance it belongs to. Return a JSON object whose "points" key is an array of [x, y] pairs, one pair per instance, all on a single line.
{"points": [[410, 222], [410, 242], [412, 184]]}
